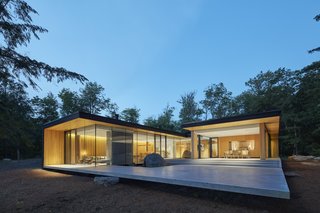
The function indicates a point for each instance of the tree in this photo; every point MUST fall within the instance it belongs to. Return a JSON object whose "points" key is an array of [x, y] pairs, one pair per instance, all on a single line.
{"points": [[271, 90], [164, 120], [70, 102], [92, 99], [190, 110], [17, 29], [112, 109], [151, 121], [317, 49], [131, 115], [275, 90], [217, 101], [17, 129], [307, 110], [45, 109]]}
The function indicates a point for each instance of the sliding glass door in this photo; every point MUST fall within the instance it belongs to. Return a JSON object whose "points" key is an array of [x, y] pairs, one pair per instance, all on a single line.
{"points": [[89, 145]]}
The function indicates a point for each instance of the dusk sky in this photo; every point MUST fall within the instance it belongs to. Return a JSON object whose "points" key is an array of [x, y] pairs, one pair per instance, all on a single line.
{"points": [[147, 53]]}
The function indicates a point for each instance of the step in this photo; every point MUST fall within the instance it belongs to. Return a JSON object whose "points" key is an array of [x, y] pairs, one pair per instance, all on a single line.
{"points": [[227, 162]]}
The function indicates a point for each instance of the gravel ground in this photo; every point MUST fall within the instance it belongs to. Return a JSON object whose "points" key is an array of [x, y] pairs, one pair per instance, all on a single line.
{"points": [[25, 187]]}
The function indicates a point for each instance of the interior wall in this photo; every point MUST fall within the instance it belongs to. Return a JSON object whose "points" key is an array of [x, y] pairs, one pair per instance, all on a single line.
{"points": [[101, 146], [224, 144], [53, 147]]}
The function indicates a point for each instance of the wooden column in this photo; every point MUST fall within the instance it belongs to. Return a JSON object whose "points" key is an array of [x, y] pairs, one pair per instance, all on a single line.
{"points": [[194, 141], [262, 142], [210, 147]]}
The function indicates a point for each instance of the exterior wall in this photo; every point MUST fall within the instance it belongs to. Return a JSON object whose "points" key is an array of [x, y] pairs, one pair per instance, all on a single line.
{"points": [[53, 147], [102, 144], [274, 148], [263, 153], [224, 144]]}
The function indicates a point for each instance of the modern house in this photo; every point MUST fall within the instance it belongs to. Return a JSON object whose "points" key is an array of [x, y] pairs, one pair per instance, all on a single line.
{"points": [[86, 139]]}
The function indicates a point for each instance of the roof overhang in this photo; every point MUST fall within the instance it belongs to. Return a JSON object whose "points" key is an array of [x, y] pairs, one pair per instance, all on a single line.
{"points": [[237, 125], [82, 119]]}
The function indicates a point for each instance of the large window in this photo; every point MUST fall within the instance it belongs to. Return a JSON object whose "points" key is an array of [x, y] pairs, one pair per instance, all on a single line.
{"points": [[100, 145], [170, 148], [89, 145], [183, 148], [143, 144], [204, 147], [103, 145], [157, 144]]}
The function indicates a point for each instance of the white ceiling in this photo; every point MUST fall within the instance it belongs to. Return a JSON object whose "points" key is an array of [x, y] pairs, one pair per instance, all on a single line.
{"points": [[251, 129]]}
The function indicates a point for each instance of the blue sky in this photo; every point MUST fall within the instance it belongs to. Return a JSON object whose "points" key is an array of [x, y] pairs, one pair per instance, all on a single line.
{"points": [[147, 53]]}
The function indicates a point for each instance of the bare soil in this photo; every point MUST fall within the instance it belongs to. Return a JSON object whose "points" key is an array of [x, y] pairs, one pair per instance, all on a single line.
{"points": [[25, 187]]}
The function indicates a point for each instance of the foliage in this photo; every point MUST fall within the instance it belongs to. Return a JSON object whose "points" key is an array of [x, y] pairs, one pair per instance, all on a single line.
{"points": [[190, 110], [70, 102], [164, 120], [295, 93], [217, 101], [45, 109], [151, 121], [17, 129], [92, 99], [317, 18], [17, 29], [131, 115]]}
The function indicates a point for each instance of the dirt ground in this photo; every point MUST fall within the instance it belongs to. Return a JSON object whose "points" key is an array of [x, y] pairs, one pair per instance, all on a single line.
{"points": [[25, 187]]}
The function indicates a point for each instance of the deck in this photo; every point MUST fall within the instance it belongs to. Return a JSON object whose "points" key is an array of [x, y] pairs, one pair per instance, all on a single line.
{"points": [[253, 180]]}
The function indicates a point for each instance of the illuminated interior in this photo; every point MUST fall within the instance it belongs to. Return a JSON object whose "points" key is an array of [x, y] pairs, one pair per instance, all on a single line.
{"points": [[96, 145], [94, 142], [88, 145], [166, 146]]}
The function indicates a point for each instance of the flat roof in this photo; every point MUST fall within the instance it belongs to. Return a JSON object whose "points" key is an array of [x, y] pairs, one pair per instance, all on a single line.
{"points": [[107, 120], [233, 118]]}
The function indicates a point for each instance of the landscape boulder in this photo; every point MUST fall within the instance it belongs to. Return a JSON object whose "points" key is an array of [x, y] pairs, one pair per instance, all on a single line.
{"points": [[186, 154], [106, 181], [154, 160]]}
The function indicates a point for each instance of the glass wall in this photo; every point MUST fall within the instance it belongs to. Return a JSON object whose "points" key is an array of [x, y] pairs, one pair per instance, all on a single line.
{"points": [[171, 152], [103, 145], [204, 147], [150, 143], [157, 139], [100, 145], [166, 146], [89, 145], [143, 144], [182, 148], [214, 144]]}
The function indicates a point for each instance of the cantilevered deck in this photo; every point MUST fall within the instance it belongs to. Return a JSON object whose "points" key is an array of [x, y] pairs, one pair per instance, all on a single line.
{"points": [[263, 181]]}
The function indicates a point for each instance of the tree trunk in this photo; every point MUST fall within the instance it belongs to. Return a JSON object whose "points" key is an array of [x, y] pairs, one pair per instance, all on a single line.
{"points": [[18, 154]]}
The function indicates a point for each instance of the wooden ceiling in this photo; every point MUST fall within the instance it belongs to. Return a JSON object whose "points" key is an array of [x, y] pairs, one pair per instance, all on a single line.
{"points": [[272, 124]]}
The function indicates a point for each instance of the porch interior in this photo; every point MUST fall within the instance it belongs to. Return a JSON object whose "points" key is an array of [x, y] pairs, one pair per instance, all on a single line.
{"points": [[236, 140]]}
